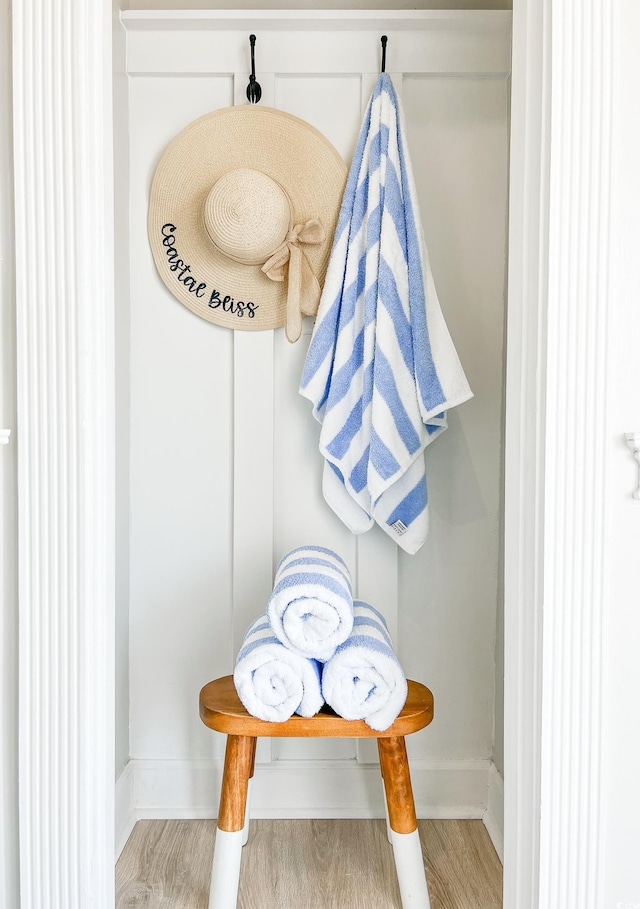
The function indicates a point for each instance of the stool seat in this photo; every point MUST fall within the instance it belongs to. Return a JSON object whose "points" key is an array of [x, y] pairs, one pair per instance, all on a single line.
{"points": [[222, 710]]}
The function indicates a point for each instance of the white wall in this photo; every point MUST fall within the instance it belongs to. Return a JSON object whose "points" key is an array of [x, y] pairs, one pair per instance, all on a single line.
{"points": [[186, 618], [8, 530], [621, 826], [448, 592]]}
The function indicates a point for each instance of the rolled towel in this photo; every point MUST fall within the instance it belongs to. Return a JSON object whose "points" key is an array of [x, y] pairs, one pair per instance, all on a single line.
{"points": [[311, 607], [272, 682], [364, 680]]}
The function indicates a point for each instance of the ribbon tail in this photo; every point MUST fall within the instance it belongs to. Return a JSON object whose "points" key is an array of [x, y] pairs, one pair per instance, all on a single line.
{"points": [[293, 328], [310, 291]]}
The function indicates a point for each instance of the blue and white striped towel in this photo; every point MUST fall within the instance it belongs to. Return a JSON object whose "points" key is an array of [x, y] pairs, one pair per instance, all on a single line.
{"points": [[364, 680], [311, 607], [381, 370], [272, 682]]}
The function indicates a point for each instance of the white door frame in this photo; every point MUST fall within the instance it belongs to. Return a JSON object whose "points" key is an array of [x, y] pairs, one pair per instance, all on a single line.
{"points": [[8, 497], [62, 88], [555, 551], [558, 360]]}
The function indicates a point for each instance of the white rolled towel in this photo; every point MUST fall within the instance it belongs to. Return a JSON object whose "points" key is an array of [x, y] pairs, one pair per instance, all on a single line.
{"points": [[311, 607], [272, 682], [364, 679]]}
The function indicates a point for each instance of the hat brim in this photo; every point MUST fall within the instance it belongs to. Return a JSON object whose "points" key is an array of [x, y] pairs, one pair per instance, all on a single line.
{"points": [[284, 147]]}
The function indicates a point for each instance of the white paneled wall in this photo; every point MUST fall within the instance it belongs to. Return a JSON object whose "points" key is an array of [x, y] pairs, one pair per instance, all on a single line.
{"points": [[224, 464], [181, 460]]}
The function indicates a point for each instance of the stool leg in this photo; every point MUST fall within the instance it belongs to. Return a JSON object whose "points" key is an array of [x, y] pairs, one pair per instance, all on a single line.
{"points": [[227, 854], [405, 838]]}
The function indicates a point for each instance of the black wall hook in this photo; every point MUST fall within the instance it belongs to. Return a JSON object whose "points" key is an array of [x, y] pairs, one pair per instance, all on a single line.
{"points": [[383, 42], [254, 92]]}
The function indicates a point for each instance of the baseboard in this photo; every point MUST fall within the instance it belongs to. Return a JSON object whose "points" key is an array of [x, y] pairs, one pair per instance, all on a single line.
{"points": [[493, 817], [124, 809], [297, 789]]}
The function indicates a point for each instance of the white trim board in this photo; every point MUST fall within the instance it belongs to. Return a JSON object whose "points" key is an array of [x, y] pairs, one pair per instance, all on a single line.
{"points": [[493, 817], [190, 789], [475, 43], [296, 789], [125, 815], [524, 449], [295, 19]]}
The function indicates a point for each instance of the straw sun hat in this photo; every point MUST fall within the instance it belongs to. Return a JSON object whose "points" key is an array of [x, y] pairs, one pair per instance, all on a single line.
{"points": [[243, 207]]}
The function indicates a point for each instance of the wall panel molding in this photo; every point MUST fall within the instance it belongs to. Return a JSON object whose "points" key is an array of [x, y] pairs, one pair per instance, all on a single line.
{"points": [[62, 73]]}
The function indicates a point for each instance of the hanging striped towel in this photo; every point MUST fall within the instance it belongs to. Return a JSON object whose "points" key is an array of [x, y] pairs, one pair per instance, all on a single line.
{"points": [[272, 682], [311, 607], [381, 370], [364, 680]]}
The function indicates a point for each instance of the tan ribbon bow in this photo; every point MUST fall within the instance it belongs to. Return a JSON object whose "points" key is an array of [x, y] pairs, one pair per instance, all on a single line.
{"points": [[303, 289]]}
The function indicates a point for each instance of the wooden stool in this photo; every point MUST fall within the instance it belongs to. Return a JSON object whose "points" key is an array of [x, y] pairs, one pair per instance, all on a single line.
{"points": [[221, 709]]}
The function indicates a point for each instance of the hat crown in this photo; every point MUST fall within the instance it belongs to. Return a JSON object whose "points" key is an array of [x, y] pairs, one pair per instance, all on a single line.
{"points": [[247, 215]]}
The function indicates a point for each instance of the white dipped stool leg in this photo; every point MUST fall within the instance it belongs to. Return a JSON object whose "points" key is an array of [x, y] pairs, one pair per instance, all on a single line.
{"points": [[225, 875], [233, 821], [407, 853], [403, 824]]}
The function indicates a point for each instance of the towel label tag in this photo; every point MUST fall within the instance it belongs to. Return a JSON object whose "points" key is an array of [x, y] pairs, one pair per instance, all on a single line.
{"points": [[399, 527]]}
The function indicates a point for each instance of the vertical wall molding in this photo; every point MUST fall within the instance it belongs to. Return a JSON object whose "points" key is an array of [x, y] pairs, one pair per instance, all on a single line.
{"points": [[524, 449], [578, 314], [557, 381], [253, 460], [253, 457], [62, 72]]}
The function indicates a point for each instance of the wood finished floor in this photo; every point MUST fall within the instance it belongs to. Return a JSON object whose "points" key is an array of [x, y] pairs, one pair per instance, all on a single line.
{"points": [[315, 864]]}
